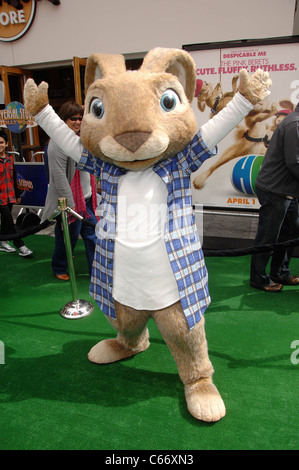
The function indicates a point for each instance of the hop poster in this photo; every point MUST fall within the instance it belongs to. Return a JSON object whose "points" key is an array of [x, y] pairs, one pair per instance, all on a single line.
{"points": [[227, 180]]}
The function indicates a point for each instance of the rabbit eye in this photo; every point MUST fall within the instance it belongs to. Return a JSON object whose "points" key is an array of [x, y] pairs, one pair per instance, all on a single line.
{"points": [[169, 100], [97, 108]]}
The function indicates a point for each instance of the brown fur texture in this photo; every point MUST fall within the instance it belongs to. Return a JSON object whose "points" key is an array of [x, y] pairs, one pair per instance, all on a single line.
{"points": [[188, 348], [102, 65], [159, 134], [35, 98], [125, 123], [175, 62]]}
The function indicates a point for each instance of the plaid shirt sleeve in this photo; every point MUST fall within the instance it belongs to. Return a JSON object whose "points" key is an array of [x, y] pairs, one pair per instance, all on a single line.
{"points": [[88, 163], [193, 156], [181, 238]]}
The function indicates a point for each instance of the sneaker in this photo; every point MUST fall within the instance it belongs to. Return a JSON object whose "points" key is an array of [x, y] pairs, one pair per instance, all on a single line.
{"points": [[24, 251], [5, 246]]}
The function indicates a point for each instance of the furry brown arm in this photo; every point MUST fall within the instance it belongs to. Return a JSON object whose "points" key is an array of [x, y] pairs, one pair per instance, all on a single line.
{"points": [[255, 88], [35, 97]]}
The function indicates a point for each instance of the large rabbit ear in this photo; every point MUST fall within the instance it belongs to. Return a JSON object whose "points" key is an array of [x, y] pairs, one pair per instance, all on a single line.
{"points": [[101, 65], [174, 61]]}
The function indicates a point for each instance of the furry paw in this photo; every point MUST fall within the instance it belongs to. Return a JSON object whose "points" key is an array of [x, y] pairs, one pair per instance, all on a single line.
{"points": [[204, 401], [110, 350], [255, 88], [35, 97]]}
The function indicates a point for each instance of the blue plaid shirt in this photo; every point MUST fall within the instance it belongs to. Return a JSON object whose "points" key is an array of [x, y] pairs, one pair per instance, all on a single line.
{"points": [[181, 237]]}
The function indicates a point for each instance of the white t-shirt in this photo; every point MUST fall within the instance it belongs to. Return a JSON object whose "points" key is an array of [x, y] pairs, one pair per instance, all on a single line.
{"points": [[85, 184], [142, 275]]}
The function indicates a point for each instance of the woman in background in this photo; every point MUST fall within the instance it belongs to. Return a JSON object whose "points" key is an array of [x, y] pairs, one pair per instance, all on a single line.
{"points": [[79, 188]]}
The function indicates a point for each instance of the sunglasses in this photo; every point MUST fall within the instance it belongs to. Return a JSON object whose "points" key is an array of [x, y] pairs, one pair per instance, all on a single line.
{"points": [[74, 118]]}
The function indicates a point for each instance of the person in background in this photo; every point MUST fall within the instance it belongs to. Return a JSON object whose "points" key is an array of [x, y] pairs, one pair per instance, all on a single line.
{"points": [[79, 188], [277, 189], [9, 195]]}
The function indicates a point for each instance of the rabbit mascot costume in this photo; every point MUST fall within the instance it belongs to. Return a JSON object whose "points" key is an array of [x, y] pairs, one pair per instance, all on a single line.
{"points": [[138, 136]]}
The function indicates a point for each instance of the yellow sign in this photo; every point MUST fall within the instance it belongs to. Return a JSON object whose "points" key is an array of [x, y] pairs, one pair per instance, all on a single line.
{"points": [[14, 22]]}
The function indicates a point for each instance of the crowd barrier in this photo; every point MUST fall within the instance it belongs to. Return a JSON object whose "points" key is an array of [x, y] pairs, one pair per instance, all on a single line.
{"points": [[211, 252], [78, 308]]}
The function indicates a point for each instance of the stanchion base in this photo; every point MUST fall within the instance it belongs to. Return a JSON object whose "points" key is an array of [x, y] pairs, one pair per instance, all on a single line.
{"points": [[77, 309]]}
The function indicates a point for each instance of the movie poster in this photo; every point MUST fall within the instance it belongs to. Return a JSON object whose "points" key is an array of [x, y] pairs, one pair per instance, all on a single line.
{"points": [[227, 180]]}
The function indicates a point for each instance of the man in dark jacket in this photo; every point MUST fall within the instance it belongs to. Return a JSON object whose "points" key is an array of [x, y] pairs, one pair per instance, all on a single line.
{"points": [[277, 189]]}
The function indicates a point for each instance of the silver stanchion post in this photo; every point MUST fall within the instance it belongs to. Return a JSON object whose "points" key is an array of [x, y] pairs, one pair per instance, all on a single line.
{"points": [[76, 308]]}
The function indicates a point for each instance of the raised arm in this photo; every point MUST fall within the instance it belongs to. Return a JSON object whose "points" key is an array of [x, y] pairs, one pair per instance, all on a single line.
{"points": [[220, 125], [37, 103], [252, 90]]}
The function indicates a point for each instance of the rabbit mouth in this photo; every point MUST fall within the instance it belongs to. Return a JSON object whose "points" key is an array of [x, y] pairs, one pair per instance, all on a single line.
{"points": [[135, 146]]}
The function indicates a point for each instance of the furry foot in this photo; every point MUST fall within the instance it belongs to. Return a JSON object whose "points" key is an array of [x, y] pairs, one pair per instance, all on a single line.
{"points": [[204, 401], [110, 350]]}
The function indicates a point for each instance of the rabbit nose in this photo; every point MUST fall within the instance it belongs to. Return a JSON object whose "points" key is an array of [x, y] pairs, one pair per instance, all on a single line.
{"points": [[132, 140]]}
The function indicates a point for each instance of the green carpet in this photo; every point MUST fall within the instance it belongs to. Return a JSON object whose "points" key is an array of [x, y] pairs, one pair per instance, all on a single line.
{"points": [[52, 397]]}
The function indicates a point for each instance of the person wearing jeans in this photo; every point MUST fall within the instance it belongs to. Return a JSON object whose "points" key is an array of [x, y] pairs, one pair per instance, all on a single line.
{"points": [[278, 222], [76, 228], [79, 189]]}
